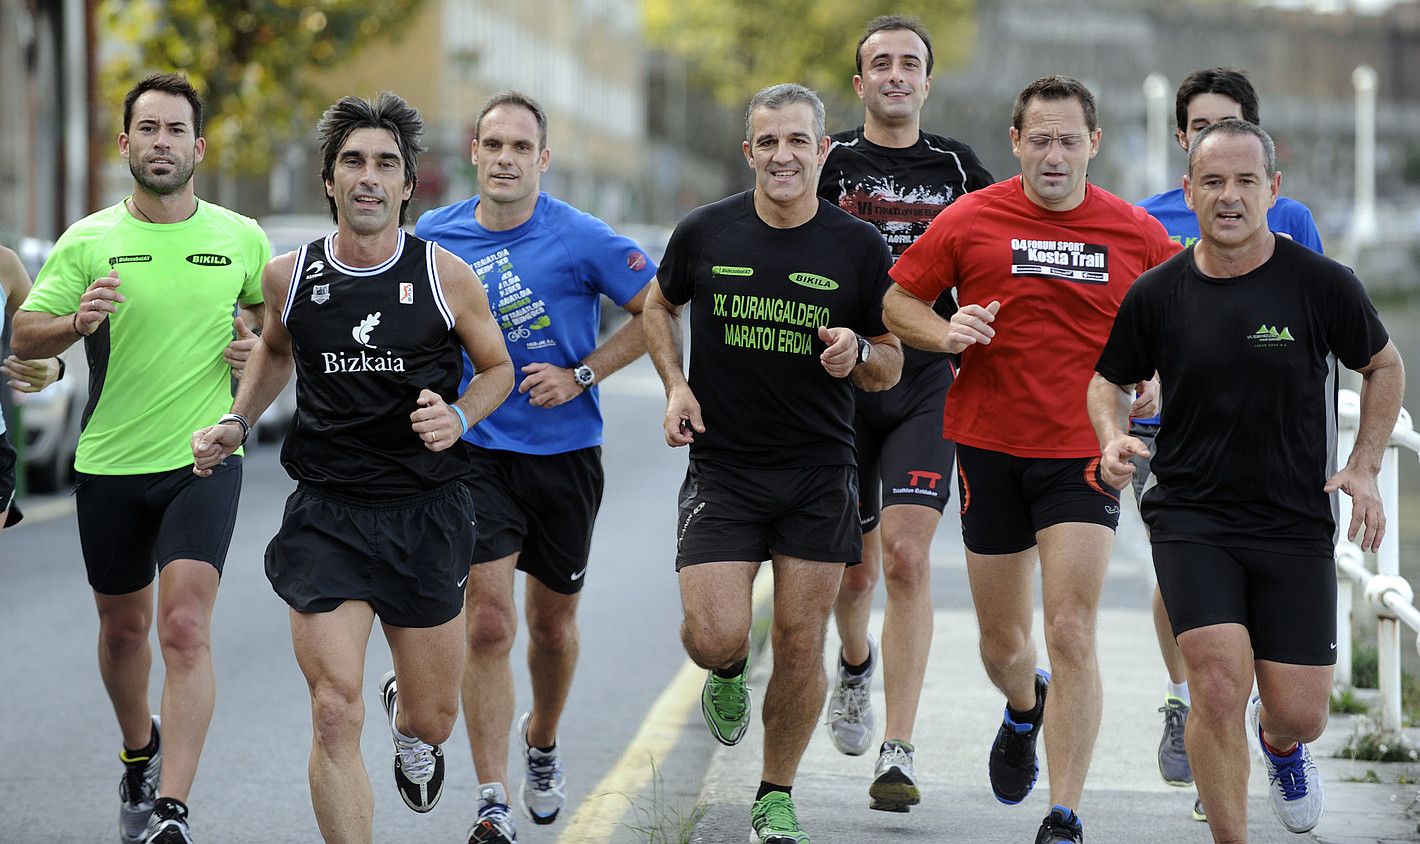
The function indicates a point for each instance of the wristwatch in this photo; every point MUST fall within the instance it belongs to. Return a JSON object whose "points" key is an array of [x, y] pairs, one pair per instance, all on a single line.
{"points": [[583, 375], [865, 348]]}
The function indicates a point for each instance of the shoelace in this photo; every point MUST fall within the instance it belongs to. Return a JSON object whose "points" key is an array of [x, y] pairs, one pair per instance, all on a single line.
{"points": [[1019, 748], [1290, 774], [135, 782], [416, 760], [856, 698], [1060, 831], [1173, 727], [729, 698], [895, 756], [779, 812], [543, 769]]}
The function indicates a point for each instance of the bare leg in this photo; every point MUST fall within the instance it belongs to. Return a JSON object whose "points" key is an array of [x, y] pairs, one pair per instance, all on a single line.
{"points": [[1002, 589], [804, 592], [330, 648], [1220, 665], [553, 646], [1074, 558], [427, 662], [717, 599], [125, 660], [1168, 647], [187, 591], [854, 606], [1296, 701], [492, 621], [907, 625]]}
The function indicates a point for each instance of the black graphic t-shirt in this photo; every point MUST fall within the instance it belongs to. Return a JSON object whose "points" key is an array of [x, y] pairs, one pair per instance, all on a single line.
{"points": [[758, 295], [1249, 391], [365, 342], [900, 191]]}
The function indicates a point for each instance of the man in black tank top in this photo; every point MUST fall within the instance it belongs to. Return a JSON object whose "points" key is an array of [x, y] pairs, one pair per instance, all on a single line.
{"points": [[374, 321], [890, 173]]}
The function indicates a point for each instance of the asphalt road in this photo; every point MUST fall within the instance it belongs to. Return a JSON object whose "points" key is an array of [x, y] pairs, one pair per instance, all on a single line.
{"points": [[57, 731]]}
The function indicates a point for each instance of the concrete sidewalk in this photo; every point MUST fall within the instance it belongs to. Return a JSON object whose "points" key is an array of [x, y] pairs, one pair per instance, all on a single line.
{"points": [[1125, 799]]}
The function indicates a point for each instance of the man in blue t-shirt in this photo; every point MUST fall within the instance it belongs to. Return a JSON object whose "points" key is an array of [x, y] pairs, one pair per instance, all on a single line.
{"points": [[537, 475], [1204, 97]]}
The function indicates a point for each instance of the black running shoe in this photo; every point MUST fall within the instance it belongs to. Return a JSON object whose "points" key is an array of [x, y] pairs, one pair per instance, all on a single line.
{"points": [[1061, 826], [1013, 767], [418, 766], [168, 823]]}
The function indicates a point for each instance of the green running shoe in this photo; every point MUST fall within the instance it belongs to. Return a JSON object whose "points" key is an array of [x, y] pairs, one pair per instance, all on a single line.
{"points": [[774, 821], [725, 705]]}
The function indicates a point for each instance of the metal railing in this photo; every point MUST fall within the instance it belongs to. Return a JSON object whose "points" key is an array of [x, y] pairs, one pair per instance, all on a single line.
{"points": [[1383, 588]]}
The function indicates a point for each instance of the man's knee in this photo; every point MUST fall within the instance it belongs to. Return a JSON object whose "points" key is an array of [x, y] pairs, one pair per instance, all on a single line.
{"points": [[124, 632], [184, 635], [798, 642], [431, 721], [337, 715], [552, 631], [1218, 688], [1003, 646], [1070, 636], [492, 624], [1297, 718], [906, 563], [858, 581], [713, 646]]}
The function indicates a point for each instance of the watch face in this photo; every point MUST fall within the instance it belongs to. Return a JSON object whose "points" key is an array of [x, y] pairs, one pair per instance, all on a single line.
{"points": [[864, 349], [583, 375]]}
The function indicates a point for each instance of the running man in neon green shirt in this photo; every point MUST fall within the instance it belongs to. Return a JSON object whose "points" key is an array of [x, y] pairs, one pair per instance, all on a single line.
{"points": [[151, 286]]}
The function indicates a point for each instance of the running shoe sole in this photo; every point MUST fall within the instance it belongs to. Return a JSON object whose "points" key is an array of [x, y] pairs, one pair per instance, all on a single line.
{"points": [[893, 792]]}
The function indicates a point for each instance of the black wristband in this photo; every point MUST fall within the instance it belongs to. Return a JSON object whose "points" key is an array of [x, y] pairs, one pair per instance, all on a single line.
{"points": [[60, 376], [241, 421]]}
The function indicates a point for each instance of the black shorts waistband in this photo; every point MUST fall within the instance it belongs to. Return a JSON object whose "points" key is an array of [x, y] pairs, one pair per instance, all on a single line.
{"points": [[382, 502]]}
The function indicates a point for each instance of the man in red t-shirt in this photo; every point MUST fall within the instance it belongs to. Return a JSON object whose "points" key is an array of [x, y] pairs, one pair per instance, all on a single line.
{"points": [[1040, 263]]}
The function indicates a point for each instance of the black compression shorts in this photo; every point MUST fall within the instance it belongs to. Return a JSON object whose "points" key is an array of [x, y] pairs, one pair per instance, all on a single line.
{"points": [[902, 455], [7, 483], [1006, 500], [131, 526]]}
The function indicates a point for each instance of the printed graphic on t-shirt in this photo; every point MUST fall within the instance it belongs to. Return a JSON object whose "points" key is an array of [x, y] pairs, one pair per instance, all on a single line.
{"points": [[1086, 263], [773, 323], [901, 214], [520, 312]]}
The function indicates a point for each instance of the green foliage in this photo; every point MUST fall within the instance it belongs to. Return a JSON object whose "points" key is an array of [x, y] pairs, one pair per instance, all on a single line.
{"points": [[736, 47], [655, 821], [248, 58], [1346, 703], [1365, 666], [1368, 743]]}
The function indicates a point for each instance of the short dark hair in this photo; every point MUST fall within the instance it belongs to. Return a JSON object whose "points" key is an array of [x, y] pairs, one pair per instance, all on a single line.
{"points": [[1230, 82], [785, 94], [890, 23], [389, 111], [166, 83], [1056, 88], [1235, 127], [515, 98]]}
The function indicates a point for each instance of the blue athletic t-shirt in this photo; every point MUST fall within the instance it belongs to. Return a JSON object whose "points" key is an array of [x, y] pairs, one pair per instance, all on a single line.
{"points": [[543, 279], [1287, 216]]}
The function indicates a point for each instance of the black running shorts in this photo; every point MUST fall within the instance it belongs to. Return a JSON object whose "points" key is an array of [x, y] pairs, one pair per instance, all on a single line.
{"points": [[1006, 500], [7, 482], [1287, 602], [408, 558], [539, 506], [131, 526], [732, 513], [1140, 481], [902, 456]]}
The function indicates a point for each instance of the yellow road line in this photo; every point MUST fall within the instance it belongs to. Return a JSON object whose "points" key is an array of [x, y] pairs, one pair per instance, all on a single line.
{"points": [[599, 816]]}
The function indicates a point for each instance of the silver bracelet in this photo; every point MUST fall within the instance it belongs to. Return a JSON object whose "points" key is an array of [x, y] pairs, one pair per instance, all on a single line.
{"points": [[240, 420]]}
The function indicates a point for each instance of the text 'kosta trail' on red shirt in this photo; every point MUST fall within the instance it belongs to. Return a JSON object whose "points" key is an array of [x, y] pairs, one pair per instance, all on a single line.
{"points": [[1060, 277]]}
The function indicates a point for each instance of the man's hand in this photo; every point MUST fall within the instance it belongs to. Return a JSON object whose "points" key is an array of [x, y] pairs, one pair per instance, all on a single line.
{"points": [[683, 420], [1115, 465], [101, 299], [548, 385], [212, 445], [239, 350], [30, 376], [1146, 399], [971, 324], [437, 425], [1366, 508], [842, 353]]}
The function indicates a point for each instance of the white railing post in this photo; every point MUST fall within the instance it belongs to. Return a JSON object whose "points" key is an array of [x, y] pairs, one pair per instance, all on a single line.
{"points": [[1388, 564], [1347, 418]]}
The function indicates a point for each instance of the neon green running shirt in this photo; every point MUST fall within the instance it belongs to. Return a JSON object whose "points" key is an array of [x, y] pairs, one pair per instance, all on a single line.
{"points": [[156, 371]]}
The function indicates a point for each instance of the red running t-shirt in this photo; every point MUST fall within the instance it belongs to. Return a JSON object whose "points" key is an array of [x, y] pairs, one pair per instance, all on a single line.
{"points": [[1060, 277]]}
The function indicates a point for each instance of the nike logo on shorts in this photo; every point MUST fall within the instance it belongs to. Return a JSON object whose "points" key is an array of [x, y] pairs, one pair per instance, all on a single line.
{"points": [[462, 582], [578, 575]]}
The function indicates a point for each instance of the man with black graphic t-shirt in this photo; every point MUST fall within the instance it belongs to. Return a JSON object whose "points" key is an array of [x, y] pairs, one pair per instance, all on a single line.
{"points": [[374, 321], [1244, 330], [1040, 263], [890, 173], [787, 294]]}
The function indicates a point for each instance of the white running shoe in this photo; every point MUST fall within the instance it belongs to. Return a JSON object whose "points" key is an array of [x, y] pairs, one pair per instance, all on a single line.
{"points": [[894, 787], [418, 766], [494, 825], [851, 722], [543, 790], [137, 791], [1293, 781]]}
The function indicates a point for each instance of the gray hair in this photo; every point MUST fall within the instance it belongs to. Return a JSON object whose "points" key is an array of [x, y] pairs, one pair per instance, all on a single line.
{"points": [[1235, 127], [781, 95]]}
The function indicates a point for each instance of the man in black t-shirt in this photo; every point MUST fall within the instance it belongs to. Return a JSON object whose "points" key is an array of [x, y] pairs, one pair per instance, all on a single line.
{"points": [[890, 173], [787, 319], [1243, 330], [373, 320]]}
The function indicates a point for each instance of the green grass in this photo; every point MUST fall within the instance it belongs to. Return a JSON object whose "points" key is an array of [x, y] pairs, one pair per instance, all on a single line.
{"points": [[1369, 745], [1346, 703], [655, 821]]}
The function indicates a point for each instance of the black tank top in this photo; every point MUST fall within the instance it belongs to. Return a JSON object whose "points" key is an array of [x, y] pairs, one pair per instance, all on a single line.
{"points": [[365, 342]]}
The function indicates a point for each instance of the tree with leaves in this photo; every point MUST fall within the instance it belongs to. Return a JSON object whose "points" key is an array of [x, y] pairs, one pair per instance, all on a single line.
{"points": [[249, 58], [736, 47]]}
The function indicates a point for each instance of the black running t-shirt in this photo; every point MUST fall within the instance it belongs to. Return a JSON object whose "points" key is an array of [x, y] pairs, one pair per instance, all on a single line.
{"points": [[758, 295], [1247, 366], [366, 341]]}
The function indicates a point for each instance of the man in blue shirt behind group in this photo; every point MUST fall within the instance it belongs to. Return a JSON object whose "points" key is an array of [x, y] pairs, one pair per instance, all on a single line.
{"points": [[537, 474]]}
